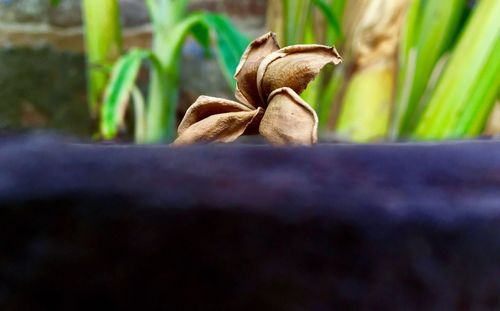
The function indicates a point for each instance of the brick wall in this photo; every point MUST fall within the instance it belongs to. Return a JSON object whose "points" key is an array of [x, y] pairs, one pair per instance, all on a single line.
{"points": [[36, 23]]}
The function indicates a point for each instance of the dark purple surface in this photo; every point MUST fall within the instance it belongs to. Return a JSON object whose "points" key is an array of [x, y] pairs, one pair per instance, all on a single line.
{"points": [[245, 227]]}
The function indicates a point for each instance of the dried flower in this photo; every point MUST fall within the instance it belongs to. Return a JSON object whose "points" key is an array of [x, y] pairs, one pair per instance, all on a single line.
{"points": [[269, 81]]}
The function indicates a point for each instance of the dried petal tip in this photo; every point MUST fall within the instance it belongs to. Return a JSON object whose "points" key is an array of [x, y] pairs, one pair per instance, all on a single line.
{"points": [[294, 67], [246, 73], [289, 120]]}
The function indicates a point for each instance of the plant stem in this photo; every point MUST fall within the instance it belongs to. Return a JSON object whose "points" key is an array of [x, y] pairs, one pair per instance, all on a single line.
{"points": [[366, 108], [164, 85], [139, 117], [103, 43], [328, 96]]}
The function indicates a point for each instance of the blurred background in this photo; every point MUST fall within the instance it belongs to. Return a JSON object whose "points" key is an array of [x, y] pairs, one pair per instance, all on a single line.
{"points": [[127, 70]]}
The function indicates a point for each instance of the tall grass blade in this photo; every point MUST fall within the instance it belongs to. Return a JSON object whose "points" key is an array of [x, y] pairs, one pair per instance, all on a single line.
{"points": [[230, 45], [139, 116], [327, 99], [467, 91], [103, 43], [117, 94], [331, 17], [429, 31]]}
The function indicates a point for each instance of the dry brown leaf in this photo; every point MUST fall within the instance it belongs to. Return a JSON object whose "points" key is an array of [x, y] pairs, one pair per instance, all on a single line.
{"points": [[289, 119], [246, 73], [294, 67]]}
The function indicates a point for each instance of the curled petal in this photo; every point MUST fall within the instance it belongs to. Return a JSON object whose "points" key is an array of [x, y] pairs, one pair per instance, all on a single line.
{"points": [[212, 119], [294, 67], [206, 106], [289, 120], [246, 73]]}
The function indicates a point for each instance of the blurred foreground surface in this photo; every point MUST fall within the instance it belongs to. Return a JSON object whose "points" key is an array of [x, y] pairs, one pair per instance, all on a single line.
{"points": [[241, 227]]}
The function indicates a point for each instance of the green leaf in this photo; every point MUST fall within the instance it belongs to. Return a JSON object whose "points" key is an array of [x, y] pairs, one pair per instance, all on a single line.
{"points": [[55, 2], [468, 88], [429, 31], [164, 87], [230, 44], [326, 98], [330, 16], [139, 115], [117, 94], [165, 14], [201, 33]]}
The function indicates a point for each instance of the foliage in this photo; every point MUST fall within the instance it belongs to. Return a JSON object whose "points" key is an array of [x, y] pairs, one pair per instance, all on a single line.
{"points": [[465, 95], [154, 117], [428, 34], [440, 82]]}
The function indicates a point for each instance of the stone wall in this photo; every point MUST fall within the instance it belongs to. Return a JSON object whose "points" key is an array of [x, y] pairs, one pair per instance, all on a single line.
{"points": [[36, 23], [42, 61]]}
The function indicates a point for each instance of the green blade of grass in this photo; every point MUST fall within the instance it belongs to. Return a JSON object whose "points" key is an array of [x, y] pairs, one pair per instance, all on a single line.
{"points": [[430, 28], [331, 18], [230, 44], [139, 115], [304, 26], [484, 93], [292, 10], [166, 13], [117, 94], [463, 88], [103, 43], [328, 97]]}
